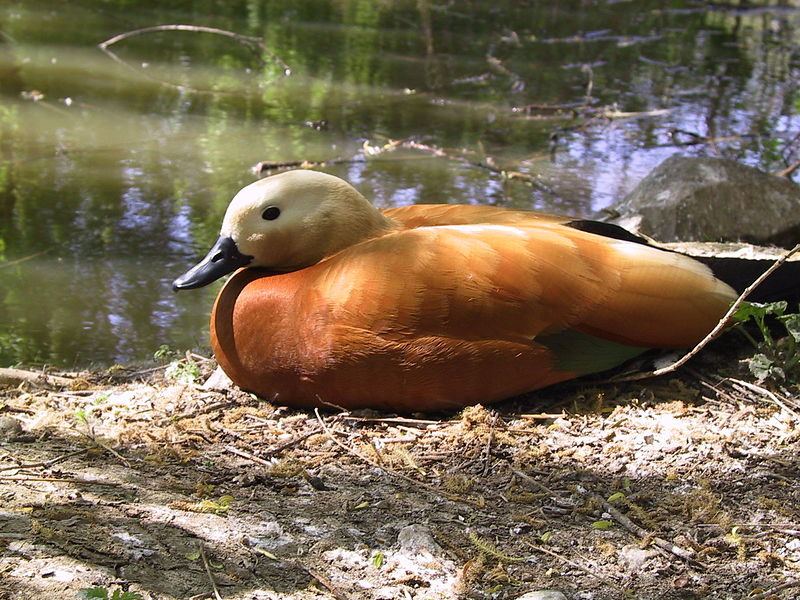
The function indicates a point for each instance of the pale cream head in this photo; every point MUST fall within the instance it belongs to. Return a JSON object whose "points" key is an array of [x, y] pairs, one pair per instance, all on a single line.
{"points": [[295, 219]]}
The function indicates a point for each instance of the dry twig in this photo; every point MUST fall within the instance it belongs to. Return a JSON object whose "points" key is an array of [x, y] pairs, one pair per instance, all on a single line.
{"points": [[324, 581], [15, 377], [579, 566], [644, 534], [46, 463], [208, 572], [784, 586], [24, 258], [788, 170], [764, 392], [248, 456], [63, 480], [531, 481]]}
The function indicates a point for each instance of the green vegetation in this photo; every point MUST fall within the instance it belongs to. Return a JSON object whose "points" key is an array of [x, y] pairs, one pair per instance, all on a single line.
{"points": [[101, 593], [775, 359]]}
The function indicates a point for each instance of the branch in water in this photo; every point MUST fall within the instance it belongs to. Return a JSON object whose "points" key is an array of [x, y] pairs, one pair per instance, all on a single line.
{"points": [[244, 39]]}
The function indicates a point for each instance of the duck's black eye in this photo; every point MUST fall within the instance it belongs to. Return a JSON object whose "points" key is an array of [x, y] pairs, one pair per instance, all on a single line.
{"points": [[271, 213]]}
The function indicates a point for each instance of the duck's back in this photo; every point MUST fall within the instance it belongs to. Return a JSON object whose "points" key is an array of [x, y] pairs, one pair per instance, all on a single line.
{"points": [[432, 215]]}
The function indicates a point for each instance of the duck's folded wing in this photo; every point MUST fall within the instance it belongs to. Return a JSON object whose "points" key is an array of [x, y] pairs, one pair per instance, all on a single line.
{"points": [[521, 283]]}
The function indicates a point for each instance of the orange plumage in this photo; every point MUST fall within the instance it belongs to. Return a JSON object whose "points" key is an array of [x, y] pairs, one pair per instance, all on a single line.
{"points": [[433, 307]]}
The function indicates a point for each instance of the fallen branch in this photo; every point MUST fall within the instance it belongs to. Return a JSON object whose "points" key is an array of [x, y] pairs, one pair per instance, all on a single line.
{"points": [[579, 566], [784, 586], [62, 480], [644, 534], [46, 463], [24, 258], [369, 152], [208, 572], [15, 377], [248, 456], [324, 581], [788, 170], [766, 393], [531, 481], [244, 39]]}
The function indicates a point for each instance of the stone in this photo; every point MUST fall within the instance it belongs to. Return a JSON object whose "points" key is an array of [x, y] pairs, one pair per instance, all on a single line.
{"points": [[712, 199], [633, 558], [543, 595], [10, 428], [218, 381], [414, 539]]}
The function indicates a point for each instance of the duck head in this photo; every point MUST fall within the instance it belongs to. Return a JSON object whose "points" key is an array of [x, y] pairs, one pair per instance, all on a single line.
{"points": [[284, 223]]}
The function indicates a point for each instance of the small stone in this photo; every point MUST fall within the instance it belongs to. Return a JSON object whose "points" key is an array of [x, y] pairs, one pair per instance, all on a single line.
{"points": [[414, 539], [543, 595], [345, 559], [9, 429], [269, 535], [632, 558], [218, 380]]}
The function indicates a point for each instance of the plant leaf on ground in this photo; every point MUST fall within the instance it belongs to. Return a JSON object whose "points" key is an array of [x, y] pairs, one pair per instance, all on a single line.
{"points": [[774, 359]]}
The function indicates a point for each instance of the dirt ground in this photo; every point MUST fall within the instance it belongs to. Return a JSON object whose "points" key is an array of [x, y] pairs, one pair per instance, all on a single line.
{"points": [[679, 487]]}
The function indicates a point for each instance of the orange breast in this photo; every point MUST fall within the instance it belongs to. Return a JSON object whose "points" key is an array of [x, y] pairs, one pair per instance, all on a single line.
{"points": [[462, 305]]}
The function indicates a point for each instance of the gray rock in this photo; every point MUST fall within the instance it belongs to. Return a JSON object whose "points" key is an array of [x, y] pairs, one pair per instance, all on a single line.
{"points": [[414, 539], [218, 381], [10, 428], [712, 199], [632, 558], [543, 595]]}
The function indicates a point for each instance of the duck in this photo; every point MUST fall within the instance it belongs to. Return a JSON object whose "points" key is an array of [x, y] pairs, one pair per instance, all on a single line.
{"points": [[428, 308]]}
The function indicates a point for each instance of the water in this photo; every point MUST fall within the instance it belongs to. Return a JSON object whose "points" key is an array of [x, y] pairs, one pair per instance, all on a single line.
{"points": [[115, 170]]}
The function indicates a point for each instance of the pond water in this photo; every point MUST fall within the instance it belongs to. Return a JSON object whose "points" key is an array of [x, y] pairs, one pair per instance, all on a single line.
{"points": [[116, 166]]}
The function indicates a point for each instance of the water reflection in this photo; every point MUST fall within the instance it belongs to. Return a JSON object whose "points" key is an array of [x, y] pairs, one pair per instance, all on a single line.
{"points": [[114, 174]]}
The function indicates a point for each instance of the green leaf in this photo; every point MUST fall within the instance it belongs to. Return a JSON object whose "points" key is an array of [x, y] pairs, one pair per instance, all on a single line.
{"points": [[749, 310], [266, 553], [183, 371], [377, 560], [163, 352], [602, 525], [96, 593], [792, 324], [760, 366], [777, 308], [120, 595]]}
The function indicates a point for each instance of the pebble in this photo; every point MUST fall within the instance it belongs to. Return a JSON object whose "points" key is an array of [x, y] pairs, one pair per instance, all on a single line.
{"points": [[414, 539], [9, 429], [632, 558], [543, 595]]}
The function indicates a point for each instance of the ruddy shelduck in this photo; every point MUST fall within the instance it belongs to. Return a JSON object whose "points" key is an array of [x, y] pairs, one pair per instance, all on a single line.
{"points": [[433, 307]]}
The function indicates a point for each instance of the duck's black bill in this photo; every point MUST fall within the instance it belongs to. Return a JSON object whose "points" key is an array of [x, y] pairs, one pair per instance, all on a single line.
{"points": [[223, 258]]}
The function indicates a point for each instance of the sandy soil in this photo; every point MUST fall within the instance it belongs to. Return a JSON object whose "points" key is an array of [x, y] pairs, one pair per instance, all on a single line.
{"points": [[678, 487]]}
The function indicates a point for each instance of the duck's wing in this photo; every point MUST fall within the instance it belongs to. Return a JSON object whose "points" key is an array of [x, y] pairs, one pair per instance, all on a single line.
{"points": [[490, 281]]}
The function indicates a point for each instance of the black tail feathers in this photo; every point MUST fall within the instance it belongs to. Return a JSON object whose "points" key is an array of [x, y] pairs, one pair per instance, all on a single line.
{"points": [[783, 284]]}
